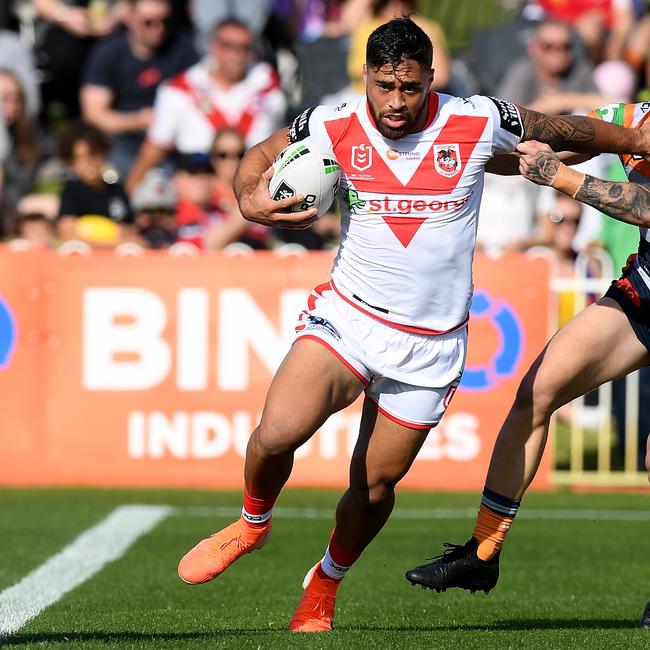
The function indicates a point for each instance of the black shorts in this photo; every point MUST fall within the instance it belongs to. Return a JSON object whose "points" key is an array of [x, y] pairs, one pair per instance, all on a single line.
{"points": [[633, 295]]}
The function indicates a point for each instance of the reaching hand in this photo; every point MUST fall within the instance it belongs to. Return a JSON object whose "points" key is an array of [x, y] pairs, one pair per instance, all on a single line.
{"points": [[538, 162], [258, 206]]}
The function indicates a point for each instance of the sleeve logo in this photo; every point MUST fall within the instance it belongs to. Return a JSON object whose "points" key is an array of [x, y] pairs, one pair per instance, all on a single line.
{"points": [[509, 114], [299, 129]]}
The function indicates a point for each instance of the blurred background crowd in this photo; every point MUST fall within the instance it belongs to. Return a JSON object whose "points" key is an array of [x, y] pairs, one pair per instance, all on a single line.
{"points": [[124, 120]]}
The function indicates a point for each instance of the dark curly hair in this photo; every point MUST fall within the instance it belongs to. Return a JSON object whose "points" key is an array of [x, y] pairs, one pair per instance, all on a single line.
{"points": [[82, 132], [397, 41]]}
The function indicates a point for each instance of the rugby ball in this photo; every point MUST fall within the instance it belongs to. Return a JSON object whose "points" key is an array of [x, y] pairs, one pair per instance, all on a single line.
{"points": [[304, 168]]}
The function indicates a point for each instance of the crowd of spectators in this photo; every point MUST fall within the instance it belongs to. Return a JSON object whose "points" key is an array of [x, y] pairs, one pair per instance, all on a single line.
{"points": [[124, 120]]}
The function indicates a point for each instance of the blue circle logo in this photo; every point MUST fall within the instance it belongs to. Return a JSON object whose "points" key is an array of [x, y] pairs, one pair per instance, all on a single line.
{"points": [[7, 334], [508, 355]]}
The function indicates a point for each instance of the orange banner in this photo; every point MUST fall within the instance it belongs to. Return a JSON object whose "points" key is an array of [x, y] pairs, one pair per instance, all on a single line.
{"points": [[152, 371]]}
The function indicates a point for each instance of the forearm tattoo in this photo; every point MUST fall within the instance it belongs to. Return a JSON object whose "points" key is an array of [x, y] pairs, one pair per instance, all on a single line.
{"points": [[570, 132], [542, 171], [629, 202]]}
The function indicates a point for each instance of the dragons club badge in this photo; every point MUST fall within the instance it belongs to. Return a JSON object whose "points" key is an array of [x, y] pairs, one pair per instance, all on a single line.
{"points": [[447, 159]]}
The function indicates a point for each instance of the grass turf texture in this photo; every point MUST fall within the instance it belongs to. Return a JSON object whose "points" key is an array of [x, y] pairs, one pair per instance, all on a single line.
{"points": [[564, 584]]}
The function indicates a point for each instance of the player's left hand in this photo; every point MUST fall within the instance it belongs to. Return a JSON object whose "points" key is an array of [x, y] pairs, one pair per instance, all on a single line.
{"points": [[538, 162]]}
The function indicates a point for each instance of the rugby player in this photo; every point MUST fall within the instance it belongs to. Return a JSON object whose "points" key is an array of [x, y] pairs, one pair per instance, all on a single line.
{"points": [[609, 339], [392, 321]]}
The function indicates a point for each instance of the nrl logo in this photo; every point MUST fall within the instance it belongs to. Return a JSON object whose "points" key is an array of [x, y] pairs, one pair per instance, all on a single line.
{"points": [[447, 159], [361, 157]]}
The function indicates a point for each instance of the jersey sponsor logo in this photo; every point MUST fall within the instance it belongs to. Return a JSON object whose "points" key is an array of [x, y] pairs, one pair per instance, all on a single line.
{"points": [[352, 200], [509, 114], [323, 325], [407, 206], [299, 129], [446, 158], [645, 107], [394, 154], [7, 334], [361, 157]]}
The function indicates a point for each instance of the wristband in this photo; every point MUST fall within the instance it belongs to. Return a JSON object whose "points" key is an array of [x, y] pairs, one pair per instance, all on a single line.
{"points": [[568, 180]]}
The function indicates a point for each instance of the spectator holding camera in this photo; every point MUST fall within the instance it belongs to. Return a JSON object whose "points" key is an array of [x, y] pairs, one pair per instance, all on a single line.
{"points": [[227, 89], [124, 71]]}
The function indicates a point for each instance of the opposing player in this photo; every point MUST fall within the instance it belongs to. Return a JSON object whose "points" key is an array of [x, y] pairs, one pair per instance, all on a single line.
{"points": [[609, 339], [391, 323]]}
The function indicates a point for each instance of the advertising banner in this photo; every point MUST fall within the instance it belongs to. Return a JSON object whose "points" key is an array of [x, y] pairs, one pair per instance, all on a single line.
{"points": [[152, 370]]}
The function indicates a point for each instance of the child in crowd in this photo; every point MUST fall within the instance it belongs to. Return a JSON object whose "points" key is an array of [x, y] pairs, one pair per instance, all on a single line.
{"points": [[94, 207]]}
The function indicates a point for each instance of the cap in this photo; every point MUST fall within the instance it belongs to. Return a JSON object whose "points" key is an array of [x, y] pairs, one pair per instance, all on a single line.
{"points": [[154, 191], [195, 163]]}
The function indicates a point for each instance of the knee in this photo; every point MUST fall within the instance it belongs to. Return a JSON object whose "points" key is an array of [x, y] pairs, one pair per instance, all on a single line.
{"points": [[537, 393], [274, 438], [375, 494]]}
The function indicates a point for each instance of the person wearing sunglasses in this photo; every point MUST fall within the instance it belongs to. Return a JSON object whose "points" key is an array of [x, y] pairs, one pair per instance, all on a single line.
{"points": [[124, 72], [229, 88], [228, 148], [552, 78]]}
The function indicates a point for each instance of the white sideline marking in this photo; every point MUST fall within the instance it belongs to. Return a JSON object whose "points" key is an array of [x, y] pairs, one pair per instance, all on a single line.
{"points": [[429, 513], [80, 560]]}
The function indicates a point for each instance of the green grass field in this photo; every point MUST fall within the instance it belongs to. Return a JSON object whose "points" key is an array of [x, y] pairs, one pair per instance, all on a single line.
{"points": [[574, 574]]}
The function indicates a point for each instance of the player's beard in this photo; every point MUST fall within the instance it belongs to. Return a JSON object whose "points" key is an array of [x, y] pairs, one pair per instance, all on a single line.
{"points": [[388, 131]]}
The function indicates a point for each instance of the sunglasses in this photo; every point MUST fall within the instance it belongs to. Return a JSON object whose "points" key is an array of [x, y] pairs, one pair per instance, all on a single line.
{"points": [[155, 22], [234, 46], [223, 155], [548, 46]]}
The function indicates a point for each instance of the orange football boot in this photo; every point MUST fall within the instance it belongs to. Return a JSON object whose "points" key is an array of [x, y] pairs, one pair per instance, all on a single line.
{"points": [[315, 611], [213, 555]]}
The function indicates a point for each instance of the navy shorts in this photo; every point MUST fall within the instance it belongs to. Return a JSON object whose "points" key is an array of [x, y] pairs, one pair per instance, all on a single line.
{"points": [[632, 293]]}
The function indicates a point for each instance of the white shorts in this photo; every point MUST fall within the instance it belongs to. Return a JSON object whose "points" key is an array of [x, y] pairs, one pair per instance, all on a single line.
{"points": [[410, 377]]}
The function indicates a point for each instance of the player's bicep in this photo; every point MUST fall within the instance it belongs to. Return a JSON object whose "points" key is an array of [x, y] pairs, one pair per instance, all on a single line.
{"points": [[272, 146]]}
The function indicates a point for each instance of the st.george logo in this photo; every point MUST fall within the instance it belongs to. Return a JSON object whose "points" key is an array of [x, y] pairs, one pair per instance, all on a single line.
{"points": [[361, 158], [7, 334], [447, 159]]}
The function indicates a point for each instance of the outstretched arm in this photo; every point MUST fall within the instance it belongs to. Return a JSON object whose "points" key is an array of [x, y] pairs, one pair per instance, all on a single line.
{"points": [[627, 202], [583, 134]]}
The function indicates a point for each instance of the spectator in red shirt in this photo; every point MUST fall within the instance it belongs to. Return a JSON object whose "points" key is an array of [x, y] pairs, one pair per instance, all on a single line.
{"points": [[198, 221], [228, 149], [124, 71]]}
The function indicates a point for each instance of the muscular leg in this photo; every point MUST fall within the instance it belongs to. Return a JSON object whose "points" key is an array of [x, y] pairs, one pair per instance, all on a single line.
{"points": [[309, 386], [598, 345], [383, 454]]}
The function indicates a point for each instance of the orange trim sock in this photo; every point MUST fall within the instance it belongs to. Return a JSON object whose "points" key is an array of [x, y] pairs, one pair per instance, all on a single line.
{"points": [[490, 531]]}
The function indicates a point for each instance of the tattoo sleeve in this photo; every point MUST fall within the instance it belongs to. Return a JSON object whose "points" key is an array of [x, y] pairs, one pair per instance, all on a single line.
{"points": [[580, 134], [628, 202]]}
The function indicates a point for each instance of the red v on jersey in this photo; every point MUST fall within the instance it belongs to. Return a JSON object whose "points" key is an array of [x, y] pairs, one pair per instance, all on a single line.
{"points": [[460, 132], [404, 228], [211, 112]]}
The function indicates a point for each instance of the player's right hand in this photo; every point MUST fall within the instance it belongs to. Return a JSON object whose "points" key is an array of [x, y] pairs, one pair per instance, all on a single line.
{"points": [[259, 206]]}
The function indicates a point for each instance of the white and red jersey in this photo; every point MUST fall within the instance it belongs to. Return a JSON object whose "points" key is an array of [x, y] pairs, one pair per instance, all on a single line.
{"points": [[410, 206], [190, 109]]}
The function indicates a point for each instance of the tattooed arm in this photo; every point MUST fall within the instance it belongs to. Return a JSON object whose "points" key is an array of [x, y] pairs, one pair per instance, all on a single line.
{"points": [[627, 202], [583, 134]]}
